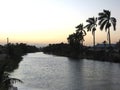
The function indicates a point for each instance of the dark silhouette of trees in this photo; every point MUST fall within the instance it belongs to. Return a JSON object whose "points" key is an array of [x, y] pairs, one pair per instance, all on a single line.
{"points": [[6, 82], [72, 39], [91, 26], [76, 49], [118, 46], [17, 50], [80, 33], [106, 21], [77, 38]]}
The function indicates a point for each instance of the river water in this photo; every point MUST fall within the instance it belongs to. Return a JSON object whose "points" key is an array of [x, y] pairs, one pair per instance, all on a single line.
{"points": [[40, 71]]}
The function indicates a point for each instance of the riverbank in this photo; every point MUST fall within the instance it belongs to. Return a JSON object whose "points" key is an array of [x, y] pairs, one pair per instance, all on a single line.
{"points": [[97, 56], [109, 55], [10, 57], [2, 57]]}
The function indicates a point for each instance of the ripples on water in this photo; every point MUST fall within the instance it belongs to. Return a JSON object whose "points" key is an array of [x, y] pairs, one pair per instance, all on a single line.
{"points": [[40, 71]]}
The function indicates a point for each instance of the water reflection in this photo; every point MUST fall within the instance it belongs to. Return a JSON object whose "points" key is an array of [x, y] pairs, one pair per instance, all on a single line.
{"points": [[93, 75], [75, 74], [6, 67]]}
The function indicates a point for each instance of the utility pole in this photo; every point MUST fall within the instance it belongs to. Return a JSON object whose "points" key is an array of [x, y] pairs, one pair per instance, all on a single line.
{"points": [[7, 40], [7, 47]]}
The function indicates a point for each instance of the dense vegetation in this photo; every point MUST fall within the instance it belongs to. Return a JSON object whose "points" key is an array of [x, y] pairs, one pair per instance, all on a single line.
{"points": [[7, 66], [12, 56], [111, 54], [17, 50]]}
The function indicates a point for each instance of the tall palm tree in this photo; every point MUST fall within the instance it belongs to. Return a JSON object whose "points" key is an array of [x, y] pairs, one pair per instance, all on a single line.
{"points": [[91, 26], [106, 21], [80, 32]]}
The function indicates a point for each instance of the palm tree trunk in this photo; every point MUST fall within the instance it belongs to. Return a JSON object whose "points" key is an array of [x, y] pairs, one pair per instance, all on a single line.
{"points": [[94, 39], [109, 37]]}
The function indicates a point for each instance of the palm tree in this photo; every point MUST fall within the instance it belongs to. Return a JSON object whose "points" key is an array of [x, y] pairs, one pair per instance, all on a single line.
{"points": [[71, 39], [80, 32], [105, 21], [91, 26], [7, 82]]}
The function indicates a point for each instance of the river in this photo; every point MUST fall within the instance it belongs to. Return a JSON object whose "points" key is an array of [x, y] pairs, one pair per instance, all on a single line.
{"points": [[40, 71]]}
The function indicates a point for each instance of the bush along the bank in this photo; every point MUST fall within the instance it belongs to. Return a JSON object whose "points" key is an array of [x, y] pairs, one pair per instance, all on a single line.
{"points": [[18, 50]]}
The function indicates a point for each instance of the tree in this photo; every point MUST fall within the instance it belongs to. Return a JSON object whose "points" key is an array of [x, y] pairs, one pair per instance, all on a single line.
{"points": [[105, 21], [91, 26], [80, 33], [8, 82], [72, 39], [77, 37]]}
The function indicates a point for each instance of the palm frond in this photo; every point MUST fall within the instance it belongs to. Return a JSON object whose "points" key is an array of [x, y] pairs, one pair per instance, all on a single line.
{"points": [[88, 27], [15, 80], [80, 26], [101, 14], [107, 13], [100, 21], [107, 25], [101, 17], [11, 81], [114, 26], [90, 20], [84, 33], [92, 23], [95, 21], [103, 24], [113, 21]]}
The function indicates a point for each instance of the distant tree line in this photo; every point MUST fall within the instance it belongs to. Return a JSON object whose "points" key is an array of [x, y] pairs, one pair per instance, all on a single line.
{"points": [[19, 49]]}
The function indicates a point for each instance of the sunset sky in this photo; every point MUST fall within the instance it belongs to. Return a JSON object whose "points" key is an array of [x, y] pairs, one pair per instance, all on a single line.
{"points": [[51, 21]]}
